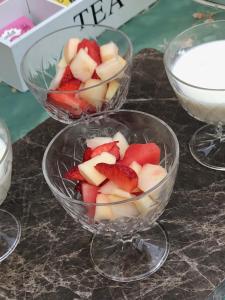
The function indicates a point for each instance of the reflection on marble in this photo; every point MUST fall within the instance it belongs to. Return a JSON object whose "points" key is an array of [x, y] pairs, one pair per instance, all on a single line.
{"points": [[52, 260]]}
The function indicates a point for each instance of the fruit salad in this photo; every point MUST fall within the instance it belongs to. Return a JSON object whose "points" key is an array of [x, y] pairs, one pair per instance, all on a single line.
{"points": [[113, 171], [82, 81]]}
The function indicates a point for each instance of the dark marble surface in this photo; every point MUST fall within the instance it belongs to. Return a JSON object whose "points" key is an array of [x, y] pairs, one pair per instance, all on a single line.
{"points": [[52, 260]]}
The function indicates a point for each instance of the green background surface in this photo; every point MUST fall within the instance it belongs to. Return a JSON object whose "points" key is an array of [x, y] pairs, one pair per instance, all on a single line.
{"points": [[152, 28]]}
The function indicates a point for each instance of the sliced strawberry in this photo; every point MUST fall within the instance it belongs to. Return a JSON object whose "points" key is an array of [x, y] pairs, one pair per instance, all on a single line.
{"points": [[71, 85], [93, 49], [95, 76], [67, 76], [78, 187], [89, 193], [142, 154], [74, 174], [123, 176], [108, 147], [87, 154]]}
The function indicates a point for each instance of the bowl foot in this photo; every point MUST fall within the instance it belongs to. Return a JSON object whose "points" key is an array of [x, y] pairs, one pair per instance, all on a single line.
{"points": [[207, 146], [132, 258]]}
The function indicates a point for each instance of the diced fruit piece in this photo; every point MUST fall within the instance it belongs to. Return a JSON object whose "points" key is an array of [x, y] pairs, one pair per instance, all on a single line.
{"points": [[111, 147], [62, 64], [145, 204], [78, 187], [87, 154], [67, 76], [108, 51], [150, 176], [103, 212], [74, 174], [123, 144], [93, 49], [136, 167], [97, 141], [71, 85], [83, 66], [110, 188], [122, 210], [57, 79], [142, 154], [112, 89], [70, 49], [95, 93], [90, 173], [121, 175], [89, 193], [109, 68]]}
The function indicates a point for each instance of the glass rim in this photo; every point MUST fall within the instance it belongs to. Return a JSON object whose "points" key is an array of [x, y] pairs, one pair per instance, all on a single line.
{"points": [[143, 194], [129, 61], [4, 126], [166, 55]]}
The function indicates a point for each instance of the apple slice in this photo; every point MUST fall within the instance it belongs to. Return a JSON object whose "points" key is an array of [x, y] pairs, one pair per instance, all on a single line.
{"points": [[98, 141], [89, 172], [149, 177], [95, 95], [113, 86], [124, 209], [145, 204], [57, 79], [108, 51], [110, 188], [103, 212], [123, 144], [70, 49], [62, 63], [136, 167], [109, 68], [83, 66]]}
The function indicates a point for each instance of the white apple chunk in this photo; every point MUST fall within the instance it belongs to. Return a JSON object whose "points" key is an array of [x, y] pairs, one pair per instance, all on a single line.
{"points": [[103, 212], [61, 64], [98, 141], [122, 143], [110, 68], [83, 66], [57, 79], [89, 172], [136, 167], [70, 49], [110, 188], [124, 209], [145, 204], [94, 95], [108, 51], [113, 87]]}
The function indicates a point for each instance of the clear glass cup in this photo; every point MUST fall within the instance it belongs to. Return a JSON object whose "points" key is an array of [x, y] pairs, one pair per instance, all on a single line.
{"points": [[39, 67], [119, 243], [203, 103], [10, 229]]}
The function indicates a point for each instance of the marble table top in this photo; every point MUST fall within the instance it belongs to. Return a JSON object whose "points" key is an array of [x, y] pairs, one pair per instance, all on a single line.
{"points": [[52, 260]]}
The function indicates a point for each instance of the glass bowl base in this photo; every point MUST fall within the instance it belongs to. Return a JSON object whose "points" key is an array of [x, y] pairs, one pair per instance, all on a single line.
{"points": [[10, 231], [130, 259], [207, 146]]}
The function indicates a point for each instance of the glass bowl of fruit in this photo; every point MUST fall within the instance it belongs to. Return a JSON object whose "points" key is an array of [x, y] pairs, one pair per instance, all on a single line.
{"points": [[114, 174], [75, 72]]}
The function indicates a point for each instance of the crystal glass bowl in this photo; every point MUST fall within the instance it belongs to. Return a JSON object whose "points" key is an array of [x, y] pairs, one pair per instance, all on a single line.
{"points": [[126, 248], [40, 62], [199, 89]]}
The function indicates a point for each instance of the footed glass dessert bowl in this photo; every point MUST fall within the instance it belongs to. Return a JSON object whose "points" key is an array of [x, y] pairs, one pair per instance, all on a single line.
{"points": [[114, 174], [76, 72]]}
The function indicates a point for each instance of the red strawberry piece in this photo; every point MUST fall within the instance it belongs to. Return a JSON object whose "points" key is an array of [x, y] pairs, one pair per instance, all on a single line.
{"points": [[93, 49], [95, 76], [78, 187], [67, 76], [123, 176], [107, 147], [89, 193], [142, 154], [71, 85], [87, 154], [74, 174]]}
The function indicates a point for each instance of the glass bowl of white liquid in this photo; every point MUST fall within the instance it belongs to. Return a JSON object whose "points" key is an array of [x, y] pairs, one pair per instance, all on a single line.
{"points": [[195, 65], [10, 229]]}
